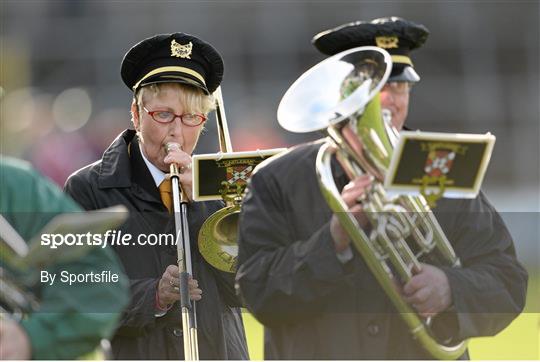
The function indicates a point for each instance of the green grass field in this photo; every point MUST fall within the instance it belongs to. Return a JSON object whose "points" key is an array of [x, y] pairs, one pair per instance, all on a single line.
{"points": [[519, 341]]}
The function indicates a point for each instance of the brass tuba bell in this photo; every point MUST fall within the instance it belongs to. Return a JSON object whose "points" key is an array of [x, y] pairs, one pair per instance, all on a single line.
{"points": [[341, 95]]}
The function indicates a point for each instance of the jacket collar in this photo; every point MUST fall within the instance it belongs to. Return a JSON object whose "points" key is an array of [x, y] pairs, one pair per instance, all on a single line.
{"points": [[122, 166], [141, 176], [115, 168]]}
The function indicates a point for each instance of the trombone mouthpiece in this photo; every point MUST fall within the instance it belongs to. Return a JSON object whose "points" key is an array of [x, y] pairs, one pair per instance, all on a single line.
{"points": [[169, 146], [173, 167]]}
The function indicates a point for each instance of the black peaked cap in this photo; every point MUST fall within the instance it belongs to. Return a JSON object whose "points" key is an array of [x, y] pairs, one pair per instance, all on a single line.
{"points": [[176, 57]]}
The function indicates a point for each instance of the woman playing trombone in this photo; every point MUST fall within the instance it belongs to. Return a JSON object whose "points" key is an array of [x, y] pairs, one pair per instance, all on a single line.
{"points": [[172, 77]]}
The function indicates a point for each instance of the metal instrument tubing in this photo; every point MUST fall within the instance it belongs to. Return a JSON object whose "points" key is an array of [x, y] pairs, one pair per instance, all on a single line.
{"points": [[185, 238], [194, 344], [189, 324], [178, 224], [225, 144], [188, 348], [379, 270]]}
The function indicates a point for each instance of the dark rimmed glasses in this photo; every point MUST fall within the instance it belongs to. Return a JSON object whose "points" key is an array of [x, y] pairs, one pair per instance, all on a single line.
{"points": [[188, 119]]}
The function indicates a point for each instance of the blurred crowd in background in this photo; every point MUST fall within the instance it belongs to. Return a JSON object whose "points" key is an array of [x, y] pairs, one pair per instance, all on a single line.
{"points": [[63, 102]]}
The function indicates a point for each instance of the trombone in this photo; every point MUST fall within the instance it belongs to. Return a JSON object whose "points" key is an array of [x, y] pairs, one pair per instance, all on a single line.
{"points": [[220, 229], [218, 235], [183, 246]]}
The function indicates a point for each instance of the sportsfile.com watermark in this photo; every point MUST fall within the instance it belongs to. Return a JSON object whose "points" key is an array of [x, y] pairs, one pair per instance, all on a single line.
{"points": [[110, 237]]}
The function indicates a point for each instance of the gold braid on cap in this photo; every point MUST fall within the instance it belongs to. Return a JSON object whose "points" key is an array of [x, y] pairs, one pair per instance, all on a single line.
{"points": [[401, 59], [171, 69]]}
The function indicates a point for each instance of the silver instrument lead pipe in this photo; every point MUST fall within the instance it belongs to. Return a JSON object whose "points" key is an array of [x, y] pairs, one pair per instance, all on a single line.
{"points": [[188, 309]]}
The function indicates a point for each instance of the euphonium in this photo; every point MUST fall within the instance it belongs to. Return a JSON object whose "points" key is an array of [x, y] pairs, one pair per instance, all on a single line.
{"points": [[341, 95]]}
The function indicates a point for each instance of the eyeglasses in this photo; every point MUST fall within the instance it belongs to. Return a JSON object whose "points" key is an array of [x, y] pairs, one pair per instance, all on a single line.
{"points": [[188, 119], [398, 87]]}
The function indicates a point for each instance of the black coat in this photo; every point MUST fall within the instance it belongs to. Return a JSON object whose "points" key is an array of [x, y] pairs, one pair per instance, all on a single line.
{"points": [[122, 177], [316, 307]]}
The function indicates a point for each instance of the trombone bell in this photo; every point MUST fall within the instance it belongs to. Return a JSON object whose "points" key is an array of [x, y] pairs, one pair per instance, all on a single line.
{"points": [[218, 239]]}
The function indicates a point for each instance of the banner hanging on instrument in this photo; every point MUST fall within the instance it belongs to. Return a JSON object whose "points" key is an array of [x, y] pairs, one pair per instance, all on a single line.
{"points": [[218, 175], [439, 164]]}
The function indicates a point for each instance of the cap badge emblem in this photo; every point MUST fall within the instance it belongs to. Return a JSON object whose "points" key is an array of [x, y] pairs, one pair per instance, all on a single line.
{"points": [[181, 51], [387, 42]]}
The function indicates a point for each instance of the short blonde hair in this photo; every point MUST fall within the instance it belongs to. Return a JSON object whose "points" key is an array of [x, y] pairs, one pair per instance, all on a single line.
{"points": [[193, 99]]}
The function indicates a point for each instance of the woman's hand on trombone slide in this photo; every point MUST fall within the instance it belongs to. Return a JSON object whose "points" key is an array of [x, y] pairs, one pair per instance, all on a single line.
{"points": [[168, 287]]}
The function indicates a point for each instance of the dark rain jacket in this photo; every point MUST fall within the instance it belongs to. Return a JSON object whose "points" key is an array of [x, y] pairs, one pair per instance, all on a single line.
{"points": [[316, 307], [122, 177]]}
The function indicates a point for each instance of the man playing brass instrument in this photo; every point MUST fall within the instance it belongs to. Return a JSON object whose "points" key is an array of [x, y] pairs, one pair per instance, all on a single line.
{"points": [[300, 277], [172, 77]]}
